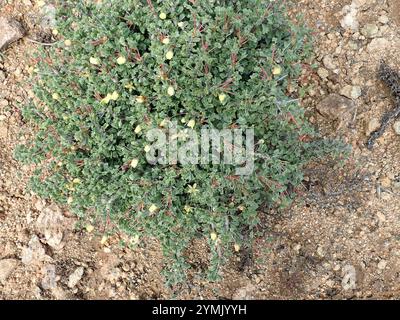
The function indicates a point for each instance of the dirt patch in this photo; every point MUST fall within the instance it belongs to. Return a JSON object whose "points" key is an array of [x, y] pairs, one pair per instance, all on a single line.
{"points": [[341, 240]]}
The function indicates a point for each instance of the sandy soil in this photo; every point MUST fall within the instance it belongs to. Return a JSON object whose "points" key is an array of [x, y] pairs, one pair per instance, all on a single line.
{"points": [[340, 241]]}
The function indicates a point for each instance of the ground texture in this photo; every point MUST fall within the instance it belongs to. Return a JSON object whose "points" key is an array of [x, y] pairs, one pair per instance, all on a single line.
{"points": [[341, 241]]}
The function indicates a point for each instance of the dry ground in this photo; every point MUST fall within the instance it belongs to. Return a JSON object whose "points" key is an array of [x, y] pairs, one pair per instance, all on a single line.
{"points": [[342, 240]]}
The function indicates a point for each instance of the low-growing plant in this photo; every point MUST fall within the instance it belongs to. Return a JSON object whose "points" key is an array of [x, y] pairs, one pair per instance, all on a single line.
{"points": [[121, 68]]}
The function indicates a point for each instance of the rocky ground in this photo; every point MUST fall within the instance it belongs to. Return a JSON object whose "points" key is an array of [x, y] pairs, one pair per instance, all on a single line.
{"points": [[342, 240]]}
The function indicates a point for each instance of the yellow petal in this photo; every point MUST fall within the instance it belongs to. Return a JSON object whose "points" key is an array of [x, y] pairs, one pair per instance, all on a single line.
{"points": [[121, 60], [89, 228], [171, 91], [134, 163], [94, 61], [169, 55], [222, 97], [153, 208], [147, 148], [70, 200], [106, 99], [104, 240], [165, 41], [138, 129], [115, 96], [140, 99], [55, 32], [237, 247], [191, 124], [76, 181], [163, 123], [56, 96], [213, 236], [181, 24], [163, 16], [277, 71], [68, 43]]}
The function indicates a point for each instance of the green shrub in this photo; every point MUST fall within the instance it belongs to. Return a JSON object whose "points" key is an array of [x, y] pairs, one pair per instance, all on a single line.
{"points": [[123, 65]]}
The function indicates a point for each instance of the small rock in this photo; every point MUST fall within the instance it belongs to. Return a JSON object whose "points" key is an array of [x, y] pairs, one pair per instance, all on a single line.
{"points": [[396, 127], [382, 265], [353, 45], [383, 19], [321, 251], [351, 92], [372, 126], [381, 217], [385, 182], [336, 107], [328, 62], [75, 277], [323, 73], [50, 223], [378, 44], [34, 253], [349, 277], [48, 16], [11, 31], [3, 103], [49, 280], [349, 20], [370, 30], [7, 266]]}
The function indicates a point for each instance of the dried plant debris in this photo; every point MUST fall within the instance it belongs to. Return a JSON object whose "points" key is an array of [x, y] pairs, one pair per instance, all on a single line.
{"points": [[391, 78]]}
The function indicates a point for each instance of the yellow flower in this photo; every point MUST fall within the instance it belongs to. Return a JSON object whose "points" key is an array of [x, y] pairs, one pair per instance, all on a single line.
{"points": [[188, 209], [191, 124], [165, 41], [140, 99], [55, 32], [121, 60], [94, 61], [169, 55], [70, 200], [213, 236], [104, 240], [163, 16], [147, 148], [153, 208], [56, 96], [89, 228], [68, 43], [77, 181], [171, 91], [192, 189], [222, 97], [134, 240], [237, 247], [106, 99], [183, 120], [115, 96], [241, 208], [138, 129], [134, 163], [163, 123], [277, 71], [181, 24], [129, 86], [70, 187]]}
